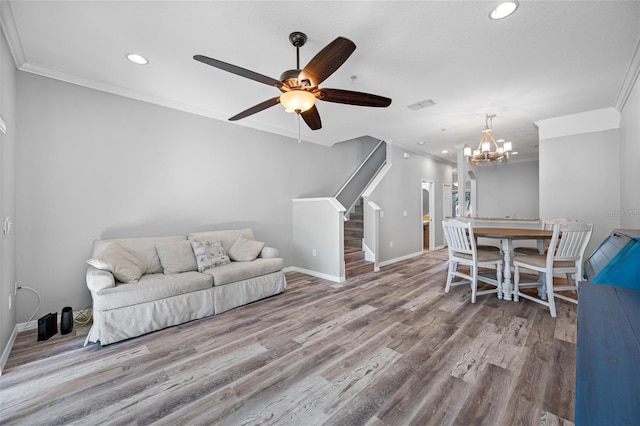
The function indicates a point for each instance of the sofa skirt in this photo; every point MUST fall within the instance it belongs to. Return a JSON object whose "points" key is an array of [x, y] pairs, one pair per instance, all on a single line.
{"points": [[232, 295], [113, 325]]}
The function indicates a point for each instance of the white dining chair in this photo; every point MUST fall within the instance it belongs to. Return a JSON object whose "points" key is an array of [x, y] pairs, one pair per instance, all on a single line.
{"points": [[463, 251], [564, 256], [480, 247], [546, 225]]}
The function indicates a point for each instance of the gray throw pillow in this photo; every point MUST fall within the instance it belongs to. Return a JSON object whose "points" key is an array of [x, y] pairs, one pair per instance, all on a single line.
{"points": [[209, 254]]}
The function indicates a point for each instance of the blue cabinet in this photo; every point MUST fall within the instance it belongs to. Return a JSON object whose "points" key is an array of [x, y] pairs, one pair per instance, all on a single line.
{"points": [[616, 261]]}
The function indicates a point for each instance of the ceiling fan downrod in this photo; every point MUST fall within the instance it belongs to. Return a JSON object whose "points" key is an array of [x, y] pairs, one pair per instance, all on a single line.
{"points": [[298, 39]]}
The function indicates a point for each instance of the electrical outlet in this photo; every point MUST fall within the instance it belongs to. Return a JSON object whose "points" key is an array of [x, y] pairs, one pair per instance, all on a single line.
{"points": [[313, 252], [390, 243], [10, 302]]}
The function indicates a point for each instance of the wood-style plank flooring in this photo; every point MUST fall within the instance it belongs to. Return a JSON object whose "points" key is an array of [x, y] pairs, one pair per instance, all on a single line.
{"points": [[385, 348]]}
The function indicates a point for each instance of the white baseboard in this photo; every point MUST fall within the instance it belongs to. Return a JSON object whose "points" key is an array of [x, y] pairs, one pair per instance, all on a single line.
{"points": [[17, 329], [400, 259], [314, 274]]}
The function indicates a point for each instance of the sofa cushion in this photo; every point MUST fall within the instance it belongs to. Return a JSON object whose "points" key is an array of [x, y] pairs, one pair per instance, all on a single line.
{"points": [[209, 254], [150, 287], [237, 271], [124, 265], [144, 248], [228, 237], [245, 250], [176, 257]]}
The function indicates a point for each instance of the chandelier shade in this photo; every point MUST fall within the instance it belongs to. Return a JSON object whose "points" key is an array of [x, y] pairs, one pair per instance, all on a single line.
{"points": [[488, 151]]}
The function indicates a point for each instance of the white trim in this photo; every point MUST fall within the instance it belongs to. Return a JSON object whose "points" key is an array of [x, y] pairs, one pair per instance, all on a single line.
{"points": [[376, 180], [7, 349], [401, 258], [576, 124], [629, 79], [314, 274], [10, 31], [17, 329]]}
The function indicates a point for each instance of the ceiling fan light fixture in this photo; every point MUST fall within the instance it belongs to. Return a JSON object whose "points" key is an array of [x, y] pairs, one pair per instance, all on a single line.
{"points": [[297, 100], [504, 9]]}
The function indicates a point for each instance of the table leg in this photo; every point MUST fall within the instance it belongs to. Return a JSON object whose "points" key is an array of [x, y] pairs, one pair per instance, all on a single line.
{"points": [[507, 286]]}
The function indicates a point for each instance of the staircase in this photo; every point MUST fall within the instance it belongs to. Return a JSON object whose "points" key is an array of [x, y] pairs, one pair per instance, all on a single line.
{"points": [[353, 254]]}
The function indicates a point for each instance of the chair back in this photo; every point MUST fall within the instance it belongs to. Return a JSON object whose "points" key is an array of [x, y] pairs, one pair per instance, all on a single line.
{"points": [[547, 224], [569, 242], [459, 236]]}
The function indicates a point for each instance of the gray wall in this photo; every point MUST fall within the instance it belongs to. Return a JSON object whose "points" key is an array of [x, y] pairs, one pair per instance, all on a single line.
{"points": [[7, 192], [401, 191], [580, 179], [94, 165], [630, 161], [508, 190]]}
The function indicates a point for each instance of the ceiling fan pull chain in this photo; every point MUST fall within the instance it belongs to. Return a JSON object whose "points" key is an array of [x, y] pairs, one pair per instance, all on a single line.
{"points": [[299, 138]]}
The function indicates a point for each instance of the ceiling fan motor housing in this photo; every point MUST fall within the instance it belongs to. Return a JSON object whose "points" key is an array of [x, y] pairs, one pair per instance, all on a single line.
{"points": [[290, 80]]}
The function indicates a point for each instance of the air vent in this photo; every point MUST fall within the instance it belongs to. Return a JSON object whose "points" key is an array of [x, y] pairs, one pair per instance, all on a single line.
{"points": [[421, 104]]}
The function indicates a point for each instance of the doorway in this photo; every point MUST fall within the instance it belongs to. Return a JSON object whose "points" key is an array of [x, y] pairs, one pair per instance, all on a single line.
{"points": [[428, 213]]}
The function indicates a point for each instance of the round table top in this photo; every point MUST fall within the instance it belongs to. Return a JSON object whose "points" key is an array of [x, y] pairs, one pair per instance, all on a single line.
{"points": [[512, 233]]}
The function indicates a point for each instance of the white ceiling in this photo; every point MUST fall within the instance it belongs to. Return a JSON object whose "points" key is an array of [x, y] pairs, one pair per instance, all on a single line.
{"points": [[549, 59]]}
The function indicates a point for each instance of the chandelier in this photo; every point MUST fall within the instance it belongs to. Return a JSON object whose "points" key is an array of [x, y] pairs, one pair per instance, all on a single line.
{"points": [[488, 151]]}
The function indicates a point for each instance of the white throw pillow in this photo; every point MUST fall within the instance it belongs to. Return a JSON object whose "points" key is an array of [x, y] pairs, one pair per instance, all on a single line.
{"points": [[245, 250], [209, 254], [124, 266], [177, 257]]}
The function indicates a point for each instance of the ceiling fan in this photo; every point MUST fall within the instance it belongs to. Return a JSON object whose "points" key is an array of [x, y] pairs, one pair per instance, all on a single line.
{"points": [[299, 87]]}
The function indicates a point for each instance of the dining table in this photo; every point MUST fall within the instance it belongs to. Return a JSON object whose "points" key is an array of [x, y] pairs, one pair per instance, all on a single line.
{"points": [[507, 236]]}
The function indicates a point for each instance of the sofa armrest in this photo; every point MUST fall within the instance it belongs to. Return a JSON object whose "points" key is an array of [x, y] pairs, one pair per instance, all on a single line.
{"points": [[269, 253], [97, 279]]}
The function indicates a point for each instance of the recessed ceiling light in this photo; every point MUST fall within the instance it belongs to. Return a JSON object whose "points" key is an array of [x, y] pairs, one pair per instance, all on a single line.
{"points": [[514, 153], [504, 9], [137, 59], [420, 142], [445, 151]]}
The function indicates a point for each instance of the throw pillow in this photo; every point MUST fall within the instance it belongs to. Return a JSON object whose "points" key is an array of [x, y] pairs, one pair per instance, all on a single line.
{"points": [[245, 250], [124, 266], [177, 257], [209, 254]]}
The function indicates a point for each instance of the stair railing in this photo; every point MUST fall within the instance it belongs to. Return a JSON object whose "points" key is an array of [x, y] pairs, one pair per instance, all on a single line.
{"points": [[353, 188]]}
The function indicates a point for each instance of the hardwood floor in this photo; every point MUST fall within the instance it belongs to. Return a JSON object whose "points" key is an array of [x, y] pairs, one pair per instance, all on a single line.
{"points": [[386, 348]]}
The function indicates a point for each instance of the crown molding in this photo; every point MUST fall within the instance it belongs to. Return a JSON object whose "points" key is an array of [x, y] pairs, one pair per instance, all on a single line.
{"points": [[10, 32], [629, 79]]}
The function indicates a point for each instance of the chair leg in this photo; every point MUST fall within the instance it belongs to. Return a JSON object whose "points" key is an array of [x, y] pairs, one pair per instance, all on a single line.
{"points": [[550, 294], [452, 268], [541, 289], [572, 281], [474, 284], [516, 282], [499, 277]]}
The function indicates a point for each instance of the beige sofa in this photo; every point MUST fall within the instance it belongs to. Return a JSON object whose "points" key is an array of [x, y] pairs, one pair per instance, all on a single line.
{"points": [[139, 285]]}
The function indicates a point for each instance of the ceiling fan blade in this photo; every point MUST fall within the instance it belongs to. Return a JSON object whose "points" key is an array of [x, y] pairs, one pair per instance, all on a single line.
{"points": [[312, 118], [353, 98], [242, 72], [327, 61], [257, 108]]}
